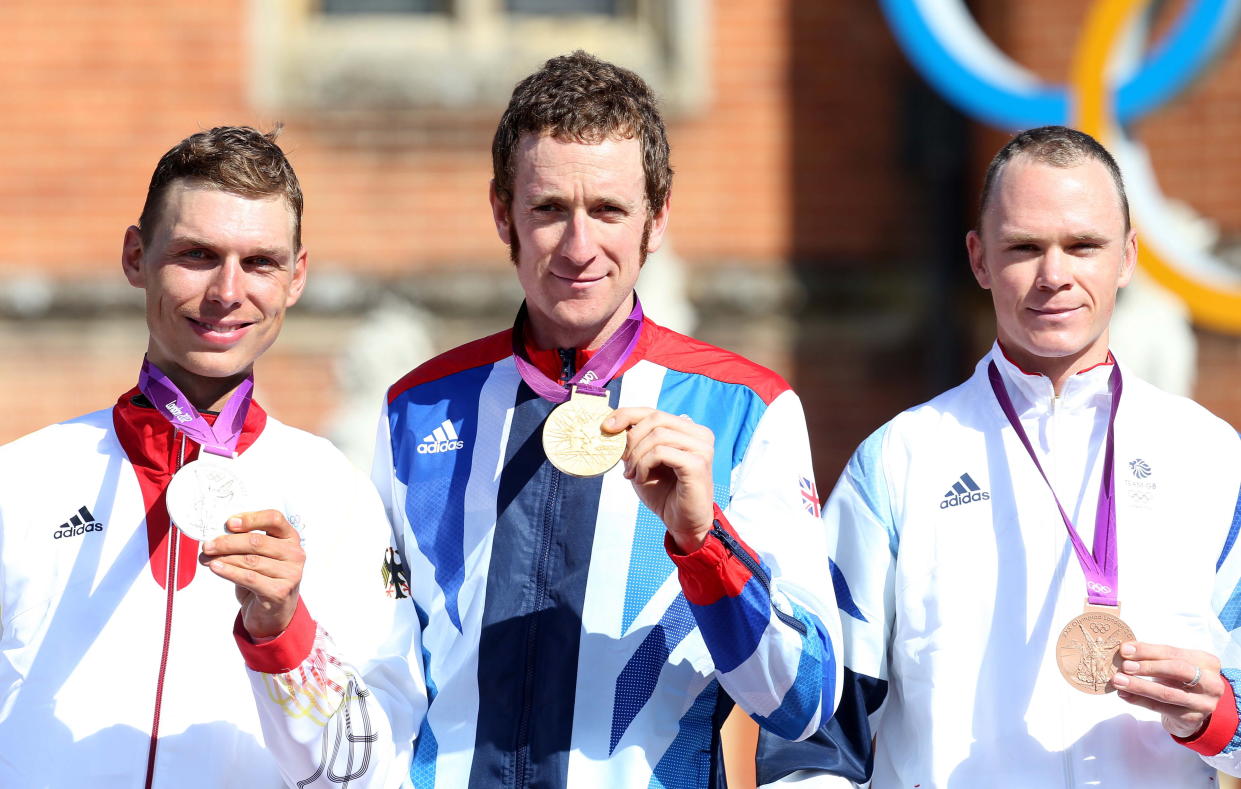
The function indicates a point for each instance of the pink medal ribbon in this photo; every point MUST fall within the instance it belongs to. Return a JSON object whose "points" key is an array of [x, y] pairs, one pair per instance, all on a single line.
{"points": [[220, 439], [1100, 567], [595, 374]]}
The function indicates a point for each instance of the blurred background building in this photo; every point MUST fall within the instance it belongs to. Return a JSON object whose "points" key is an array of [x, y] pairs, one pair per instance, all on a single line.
{"points": [[824, 187]]}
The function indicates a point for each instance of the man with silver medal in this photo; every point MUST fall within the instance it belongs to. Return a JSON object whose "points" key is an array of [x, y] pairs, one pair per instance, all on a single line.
{"points": [[1038, 564], [615, 544], [120, 640]]}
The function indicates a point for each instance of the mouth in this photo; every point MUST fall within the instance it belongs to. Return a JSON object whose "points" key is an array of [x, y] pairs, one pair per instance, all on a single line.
{"points": [[223, 331], [1053, 312], [579, 281]]}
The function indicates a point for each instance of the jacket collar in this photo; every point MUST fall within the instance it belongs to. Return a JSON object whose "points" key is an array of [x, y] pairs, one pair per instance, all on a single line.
{"points": [[549, 363], [1033, 392]]}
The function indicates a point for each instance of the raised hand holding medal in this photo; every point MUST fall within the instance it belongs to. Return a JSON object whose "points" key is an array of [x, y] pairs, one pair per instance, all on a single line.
{"points": [[667, 458]]}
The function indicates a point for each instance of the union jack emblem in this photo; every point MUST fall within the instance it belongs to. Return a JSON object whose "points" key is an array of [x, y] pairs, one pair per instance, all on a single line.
{"points": [[810, 497]]}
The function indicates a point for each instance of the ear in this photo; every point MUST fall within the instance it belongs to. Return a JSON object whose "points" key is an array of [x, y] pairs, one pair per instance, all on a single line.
{"points": [[501, 213], [978, 261], [1130, 261], [131, 257], [659, 223], [299, 278]]}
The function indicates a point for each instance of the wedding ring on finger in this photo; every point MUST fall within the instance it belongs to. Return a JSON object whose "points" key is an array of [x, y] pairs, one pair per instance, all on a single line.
{"points": [[1193, 682]]}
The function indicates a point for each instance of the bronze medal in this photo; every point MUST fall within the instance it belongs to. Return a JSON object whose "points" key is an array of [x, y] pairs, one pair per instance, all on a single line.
{"points": [[1088, 650], [573, 437]]}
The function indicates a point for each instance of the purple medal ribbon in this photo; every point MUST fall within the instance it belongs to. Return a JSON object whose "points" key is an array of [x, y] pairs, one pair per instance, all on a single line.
{"points": [[595, 374], [1101, 567], [220, 439]]}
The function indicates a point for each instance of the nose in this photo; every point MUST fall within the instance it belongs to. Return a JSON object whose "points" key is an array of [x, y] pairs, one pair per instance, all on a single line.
{"points": [[1054, 270], [578, 244], [226, 282]]}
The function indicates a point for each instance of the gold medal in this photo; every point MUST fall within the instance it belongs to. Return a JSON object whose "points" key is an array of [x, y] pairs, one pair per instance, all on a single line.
{"points": [[1088, 650], [573, 437]]}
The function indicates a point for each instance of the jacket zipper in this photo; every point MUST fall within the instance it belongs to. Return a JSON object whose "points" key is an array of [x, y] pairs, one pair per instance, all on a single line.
{"points": [[170, 584], [759, 574], [522, 756]]}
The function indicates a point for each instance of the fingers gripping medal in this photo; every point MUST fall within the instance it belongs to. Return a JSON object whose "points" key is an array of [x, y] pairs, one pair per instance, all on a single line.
{"points": [[574, 440], [573, 436], [204, 493], [1088, 649]]}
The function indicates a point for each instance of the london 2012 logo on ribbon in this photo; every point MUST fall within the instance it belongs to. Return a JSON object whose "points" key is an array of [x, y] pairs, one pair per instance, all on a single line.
{"points": [[1106, 91]]}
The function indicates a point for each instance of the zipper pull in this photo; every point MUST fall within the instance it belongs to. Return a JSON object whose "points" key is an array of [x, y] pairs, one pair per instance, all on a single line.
{"points": [[567, 367]]}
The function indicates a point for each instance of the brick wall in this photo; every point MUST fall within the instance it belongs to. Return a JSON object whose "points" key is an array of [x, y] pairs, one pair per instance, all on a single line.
{"points": [[811, 158]]}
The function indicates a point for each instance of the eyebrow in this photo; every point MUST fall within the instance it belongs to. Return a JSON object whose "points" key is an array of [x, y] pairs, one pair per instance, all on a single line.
{"points": [[195, 241], [538, 196], [1018, 237]]}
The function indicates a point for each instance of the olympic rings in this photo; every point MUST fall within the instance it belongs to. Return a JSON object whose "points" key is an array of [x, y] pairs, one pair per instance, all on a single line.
{"points": [[945, 44]]}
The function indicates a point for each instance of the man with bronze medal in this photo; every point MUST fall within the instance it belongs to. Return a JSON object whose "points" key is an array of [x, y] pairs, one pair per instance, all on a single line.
{"points": [[119, 668], [601, 520], [1035, 568]]}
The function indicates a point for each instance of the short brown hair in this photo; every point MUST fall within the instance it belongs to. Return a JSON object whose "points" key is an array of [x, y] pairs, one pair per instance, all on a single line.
{"points": [[1058, 146], [236, 159], [581, 98]]}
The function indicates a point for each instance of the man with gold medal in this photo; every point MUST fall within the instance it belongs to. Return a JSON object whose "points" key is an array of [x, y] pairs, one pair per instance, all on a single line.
{"points": [[1035, 569], [602, 520]]}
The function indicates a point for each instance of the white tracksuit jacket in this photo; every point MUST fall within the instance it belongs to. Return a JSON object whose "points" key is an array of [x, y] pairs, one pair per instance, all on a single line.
{"points": [[113, 675], [955, 576]]}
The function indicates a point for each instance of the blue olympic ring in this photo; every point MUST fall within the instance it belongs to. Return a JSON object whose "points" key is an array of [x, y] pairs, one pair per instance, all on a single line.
{"points": [[1197, 36]]}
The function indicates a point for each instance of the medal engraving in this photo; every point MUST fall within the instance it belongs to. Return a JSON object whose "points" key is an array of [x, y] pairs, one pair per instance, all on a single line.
{"points": [[1088, 650], [204, 494], [573, 438]]}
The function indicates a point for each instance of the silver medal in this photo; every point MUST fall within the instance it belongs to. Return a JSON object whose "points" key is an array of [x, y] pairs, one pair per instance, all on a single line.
{"points": [[205, 493]]}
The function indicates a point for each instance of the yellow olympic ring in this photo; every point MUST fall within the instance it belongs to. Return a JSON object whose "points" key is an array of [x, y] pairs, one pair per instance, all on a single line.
{"points": [[1214, 305]]}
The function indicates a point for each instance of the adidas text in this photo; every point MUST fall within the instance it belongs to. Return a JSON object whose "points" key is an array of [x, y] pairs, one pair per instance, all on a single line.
{"points": [[964, 498], [436, 447], [77, 531]]}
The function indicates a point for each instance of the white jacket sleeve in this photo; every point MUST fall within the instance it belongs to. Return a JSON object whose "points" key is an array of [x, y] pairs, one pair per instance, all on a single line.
{"points": [[759, 587], [341, 692]]}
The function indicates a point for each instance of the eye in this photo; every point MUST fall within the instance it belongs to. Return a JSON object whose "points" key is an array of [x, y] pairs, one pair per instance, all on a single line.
{"points": [[196, 253], [1086, 247], [263, 262]]}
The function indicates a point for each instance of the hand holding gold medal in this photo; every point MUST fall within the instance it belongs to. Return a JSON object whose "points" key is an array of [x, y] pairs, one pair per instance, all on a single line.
{"points": [[668, 458]]}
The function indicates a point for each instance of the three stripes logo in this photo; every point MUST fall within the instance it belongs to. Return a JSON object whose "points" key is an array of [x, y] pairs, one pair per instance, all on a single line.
{"points": [[963, 491], [79, 524], [442, 439]]}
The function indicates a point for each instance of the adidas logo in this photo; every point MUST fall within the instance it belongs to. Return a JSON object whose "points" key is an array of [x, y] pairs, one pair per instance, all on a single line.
{"points": [[963, 491], [78, 525], [442, 439]]}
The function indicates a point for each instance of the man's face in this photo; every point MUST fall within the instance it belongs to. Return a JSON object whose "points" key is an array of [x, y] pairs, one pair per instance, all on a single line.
{"points": [[577, 222], [1053, 251], [219, 272]]}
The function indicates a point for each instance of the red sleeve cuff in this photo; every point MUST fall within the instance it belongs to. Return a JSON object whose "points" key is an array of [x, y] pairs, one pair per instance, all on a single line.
{"points": [[711, 572], [283, 653], [1211, 739]]}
